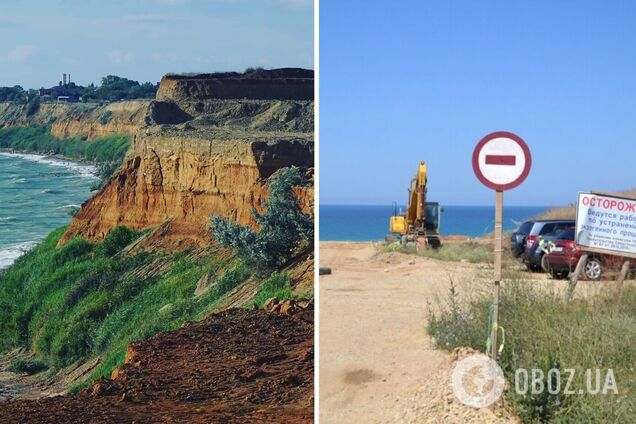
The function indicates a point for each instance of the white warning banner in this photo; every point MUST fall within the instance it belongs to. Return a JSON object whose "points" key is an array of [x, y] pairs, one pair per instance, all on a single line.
{"points": [[606, 223]]}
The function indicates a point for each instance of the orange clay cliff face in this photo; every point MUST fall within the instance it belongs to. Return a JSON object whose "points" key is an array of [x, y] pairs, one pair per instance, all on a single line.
{"points": [[197, 156]]}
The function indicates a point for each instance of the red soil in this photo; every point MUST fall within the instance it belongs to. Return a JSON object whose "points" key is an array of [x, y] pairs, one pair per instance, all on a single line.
{"points": [[236, 366]]}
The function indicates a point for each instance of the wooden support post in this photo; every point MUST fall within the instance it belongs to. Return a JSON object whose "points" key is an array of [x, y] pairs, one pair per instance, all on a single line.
{"points": [[498, 253], [622, 275], [575, 276]]}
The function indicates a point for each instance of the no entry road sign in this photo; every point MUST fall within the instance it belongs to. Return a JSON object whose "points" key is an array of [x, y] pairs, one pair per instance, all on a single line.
{"points": [[501, 160]]}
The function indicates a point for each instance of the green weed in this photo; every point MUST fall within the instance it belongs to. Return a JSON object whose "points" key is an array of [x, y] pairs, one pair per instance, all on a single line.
{"points": [[545, 332]]}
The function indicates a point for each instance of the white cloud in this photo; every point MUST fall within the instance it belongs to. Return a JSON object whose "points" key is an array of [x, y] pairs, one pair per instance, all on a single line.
{"points": [[20, 54], [163, 58], [120, 57]]}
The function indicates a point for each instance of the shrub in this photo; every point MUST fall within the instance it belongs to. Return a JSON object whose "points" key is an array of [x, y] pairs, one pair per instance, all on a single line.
{"points": [[33, 106], [277, 285], [105, 118], [27, 366], [283, 226], [74, 249], [252, 69], [118, 238]]}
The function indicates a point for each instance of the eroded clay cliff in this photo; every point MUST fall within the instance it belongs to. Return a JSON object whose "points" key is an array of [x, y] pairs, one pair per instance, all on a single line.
{"points": [[196, 158], [181, 176]]}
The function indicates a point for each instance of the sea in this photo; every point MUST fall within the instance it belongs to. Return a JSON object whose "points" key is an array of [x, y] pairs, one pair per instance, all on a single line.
{"points": [[371, 222], [37, 195]]}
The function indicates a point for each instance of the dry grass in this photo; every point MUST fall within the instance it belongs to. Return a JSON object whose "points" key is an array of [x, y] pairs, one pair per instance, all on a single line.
{"points": [[569, 212]]}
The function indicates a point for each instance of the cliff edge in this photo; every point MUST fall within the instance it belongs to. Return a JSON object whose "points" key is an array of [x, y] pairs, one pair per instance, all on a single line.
{"points": [[195, 157]]}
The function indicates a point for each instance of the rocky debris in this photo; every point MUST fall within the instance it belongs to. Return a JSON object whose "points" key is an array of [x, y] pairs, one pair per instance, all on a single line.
{"points": [[435, 402], [234, 367], [288, 307]]}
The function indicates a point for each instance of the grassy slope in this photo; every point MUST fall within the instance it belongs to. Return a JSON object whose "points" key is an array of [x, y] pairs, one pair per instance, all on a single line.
{"points": [[84, 300]]}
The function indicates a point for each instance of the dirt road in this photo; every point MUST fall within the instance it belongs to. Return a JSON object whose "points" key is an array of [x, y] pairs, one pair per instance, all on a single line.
{"points": [[377, 364]]}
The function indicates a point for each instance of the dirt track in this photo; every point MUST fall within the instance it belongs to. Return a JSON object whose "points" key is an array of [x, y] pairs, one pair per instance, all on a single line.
{"points": [[236, 366], [377, 364]]}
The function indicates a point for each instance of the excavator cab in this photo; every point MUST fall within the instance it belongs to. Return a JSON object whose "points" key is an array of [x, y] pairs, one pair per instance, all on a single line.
{"points": [[432, 221]]}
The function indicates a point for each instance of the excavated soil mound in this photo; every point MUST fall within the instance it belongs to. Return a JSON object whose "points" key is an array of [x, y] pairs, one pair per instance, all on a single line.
{"points": [[236, 366]]}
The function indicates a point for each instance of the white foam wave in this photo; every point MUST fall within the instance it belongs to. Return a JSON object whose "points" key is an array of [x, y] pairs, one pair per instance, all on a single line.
{"points": [[82, 169], [9, 254], [69, 206]]}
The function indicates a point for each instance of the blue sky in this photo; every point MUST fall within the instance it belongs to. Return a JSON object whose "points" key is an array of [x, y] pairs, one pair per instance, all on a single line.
{"points": [[144, 39], [406, 81]]}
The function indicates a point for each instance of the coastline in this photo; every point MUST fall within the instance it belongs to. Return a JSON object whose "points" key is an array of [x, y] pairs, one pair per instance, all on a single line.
{"points": [[54, 159], [14, 249]]}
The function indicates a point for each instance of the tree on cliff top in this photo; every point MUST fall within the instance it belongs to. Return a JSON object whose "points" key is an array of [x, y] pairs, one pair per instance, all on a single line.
{"points": [[114, 88], [283, 226], [12, 94]]}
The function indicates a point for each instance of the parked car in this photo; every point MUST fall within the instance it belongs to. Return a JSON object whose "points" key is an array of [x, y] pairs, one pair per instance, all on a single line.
{"points": [[564, 255], [518, 239], [537, 253], [540, 230]]}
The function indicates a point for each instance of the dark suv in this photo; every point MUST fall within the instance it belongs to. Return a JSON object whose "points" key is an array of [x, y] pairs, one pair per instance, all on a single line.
{"points": [[528, 243], [518, 238]]}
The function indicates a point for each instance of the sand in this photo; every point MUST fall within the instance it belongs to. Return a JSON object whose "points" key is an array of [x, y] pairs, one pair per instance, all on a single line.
{"points": [[377, 364]]}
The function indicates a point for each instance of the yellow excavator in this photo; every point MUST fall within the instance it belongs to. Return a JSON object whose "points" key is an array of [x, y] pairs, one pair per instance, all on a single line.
{"points": [[420, 225]]}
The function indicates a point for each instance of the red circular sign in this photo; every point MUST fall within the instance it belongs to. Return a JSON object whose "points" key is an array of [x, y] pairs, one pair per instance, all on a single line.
{"points": [[501, 160]]}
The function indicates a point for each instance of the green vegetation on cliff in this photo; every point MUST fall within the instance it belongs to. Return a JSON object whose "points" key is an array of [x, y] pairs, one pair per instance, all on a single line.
{"points": [[38, 139], [284, 228], [87, 299], [106, 152]]}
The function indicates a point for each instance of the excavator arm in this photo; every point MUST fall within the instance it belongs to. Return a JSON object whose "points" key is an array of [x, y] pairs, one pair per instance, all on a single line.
{"points": [[416, 212], [414, 223]]}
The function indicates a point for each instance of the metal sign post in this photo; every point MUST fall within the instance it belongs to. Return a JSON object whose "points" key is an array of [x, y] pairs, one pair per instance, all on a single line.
{"points": [[501, 161], [498, 256]]}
